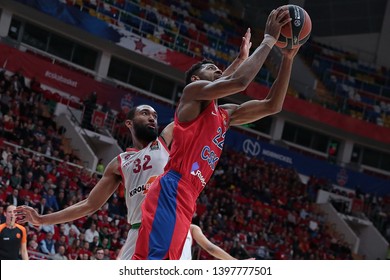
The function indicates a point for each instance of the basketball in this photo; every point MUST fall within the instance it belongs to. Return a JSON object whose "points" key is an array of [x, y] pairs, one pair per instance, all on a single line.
{"points": [[296, 32]]}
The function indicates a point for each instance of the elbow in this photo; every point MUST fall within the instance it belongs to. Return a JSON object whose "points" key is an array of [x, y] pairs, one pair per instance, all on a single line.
{"points": [[274, 108], [90, 207]]}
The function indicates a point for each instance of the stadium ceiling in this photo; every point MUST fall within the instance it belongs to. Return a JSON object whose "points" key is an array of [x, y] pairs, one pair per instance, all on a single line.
{"points": [[329, 17]]}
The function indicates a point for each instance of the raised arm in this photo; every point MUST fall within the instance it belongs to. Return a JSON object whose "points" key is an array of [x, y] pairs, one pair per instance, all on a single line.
{"points": [[245, 47], [203, 89], [97, 197], [253, 110]]}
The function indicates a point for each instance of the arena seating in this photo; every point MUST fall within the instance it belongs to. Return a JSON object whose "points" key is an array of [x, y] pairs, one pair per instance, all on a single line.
{"points": [[276, 213]]}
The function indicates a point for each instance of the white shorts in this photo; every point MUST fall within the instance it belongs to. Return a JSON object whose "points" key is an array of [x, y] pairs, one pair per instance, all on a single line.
{"points": [[128, 248]]}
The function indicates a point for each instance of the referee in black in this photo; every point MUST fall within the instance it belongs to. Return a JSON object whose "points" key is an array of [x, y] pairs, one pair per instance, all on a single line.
{"points": [[13, 238]]}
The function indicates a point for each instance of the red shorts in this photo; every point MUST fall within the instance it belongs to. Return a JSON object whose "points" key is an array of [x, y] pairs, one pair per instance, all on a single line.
{"points": [[166, 218]]}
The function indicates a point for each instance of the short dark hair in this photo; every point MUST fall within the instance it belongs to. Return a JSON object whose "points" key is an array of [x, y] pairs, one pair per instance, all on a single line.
{"points": [[195, 68], [131, 113]]}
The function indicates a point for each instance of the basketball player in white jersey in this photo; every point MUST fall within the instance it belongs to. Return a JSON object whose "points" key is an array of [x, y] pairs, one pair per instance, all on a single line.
{"points": [[136, 169]]}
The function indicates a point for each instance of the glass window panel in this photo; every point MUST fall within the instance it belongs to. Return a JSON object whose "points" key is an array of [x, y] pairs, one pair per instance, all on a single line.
{"points": [[119, 69], [163, 87], [140, 78], [289, 132], [35, 36], [14, 29], [85, 57], [371, 157], [60, 47]]}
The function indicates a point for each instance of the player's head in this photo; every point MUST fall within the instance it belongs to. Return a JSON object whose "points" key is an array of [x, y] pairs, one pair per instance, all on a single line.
{"points": [[142, 122], [9, 214], [203, 70]]}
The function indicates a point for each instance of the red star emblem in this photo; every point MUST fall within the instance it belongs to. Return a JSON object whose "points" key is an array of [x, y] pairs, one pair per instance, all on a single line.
{"points": [[139, 45]]}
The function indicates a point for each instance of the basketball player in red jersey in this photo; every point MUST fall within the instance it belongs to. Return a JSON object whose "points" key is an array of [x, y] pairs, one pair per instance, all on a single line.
{"points": [[199, 134], [136, 167]]}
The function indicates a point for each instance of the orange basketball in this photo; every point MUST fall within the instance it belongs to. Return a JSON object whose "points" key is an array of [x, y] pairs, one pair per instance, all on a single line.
{"points": [[297, 31]]}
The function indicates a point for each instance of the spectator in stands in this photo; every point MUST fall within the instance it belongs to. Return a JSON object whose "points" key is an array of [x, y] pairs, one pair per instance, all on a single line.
{"points": [[41, 206], [2, 214], [51, 200], [89, 106], [14, 199], [60, 255], [73, 250], [98, 254], [47, 245], [90, 233], [95, 243]]}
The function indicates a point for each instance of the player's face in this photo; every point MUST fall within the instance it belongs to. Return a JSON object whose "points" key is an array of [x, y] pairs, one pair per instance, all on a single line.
{"points": [[209, 72], [145, 123], [9, 215]]}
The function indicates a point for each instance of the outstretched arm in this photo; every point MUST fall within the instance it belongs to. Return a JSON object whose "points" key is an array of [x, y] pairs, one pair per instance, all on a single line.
{"points": [[207, 245], [245, 47], [204, 90], [253, 110], [97, 197]]}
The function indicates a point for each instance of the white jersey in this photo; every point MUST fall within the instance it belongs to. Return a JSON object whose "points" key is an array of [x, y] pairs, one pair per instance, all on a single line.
{"points": [[186, 254], [139, 168]]}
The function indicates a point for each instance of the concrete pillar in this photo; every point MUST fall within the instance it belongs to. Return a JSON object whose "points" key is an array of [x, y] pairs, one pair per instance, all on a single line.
{"points": [[383, 57], [277, 129], [103, 65], [5, 21]]}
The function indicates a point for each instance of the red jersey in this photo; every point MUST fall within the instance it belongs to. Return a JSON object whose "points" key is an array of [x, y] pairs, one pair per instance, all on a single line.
{"points": [[197, 145]]}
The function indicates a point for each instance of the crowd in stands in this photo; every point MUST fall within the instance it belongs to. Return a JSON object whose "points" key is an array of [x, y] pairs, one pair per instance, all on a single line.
{"points": [[197, 28], [211, 30], [249, 208], [357, 88]]}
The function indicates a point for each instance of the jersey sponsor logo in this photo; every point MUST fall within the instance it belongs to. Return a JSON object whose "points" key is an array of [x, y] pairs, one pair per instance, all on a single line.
{"points": [[209, 155], [18, 235], [143, 189], [196, 172], [125, 164], [154, 146]]}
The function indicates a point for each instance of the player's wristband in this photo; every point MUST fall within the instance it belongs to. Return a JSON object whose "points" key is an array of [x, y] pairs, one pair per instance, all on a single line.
{"points": [[269, 41]]}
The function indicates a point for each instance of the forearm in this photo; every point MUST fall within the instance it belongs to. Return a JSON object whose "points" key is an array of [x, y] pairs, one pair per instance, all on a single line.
{"points": [[71, 213], [24, 252], [233, 66], [279, 88], [220, 254], [248, 69]]}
